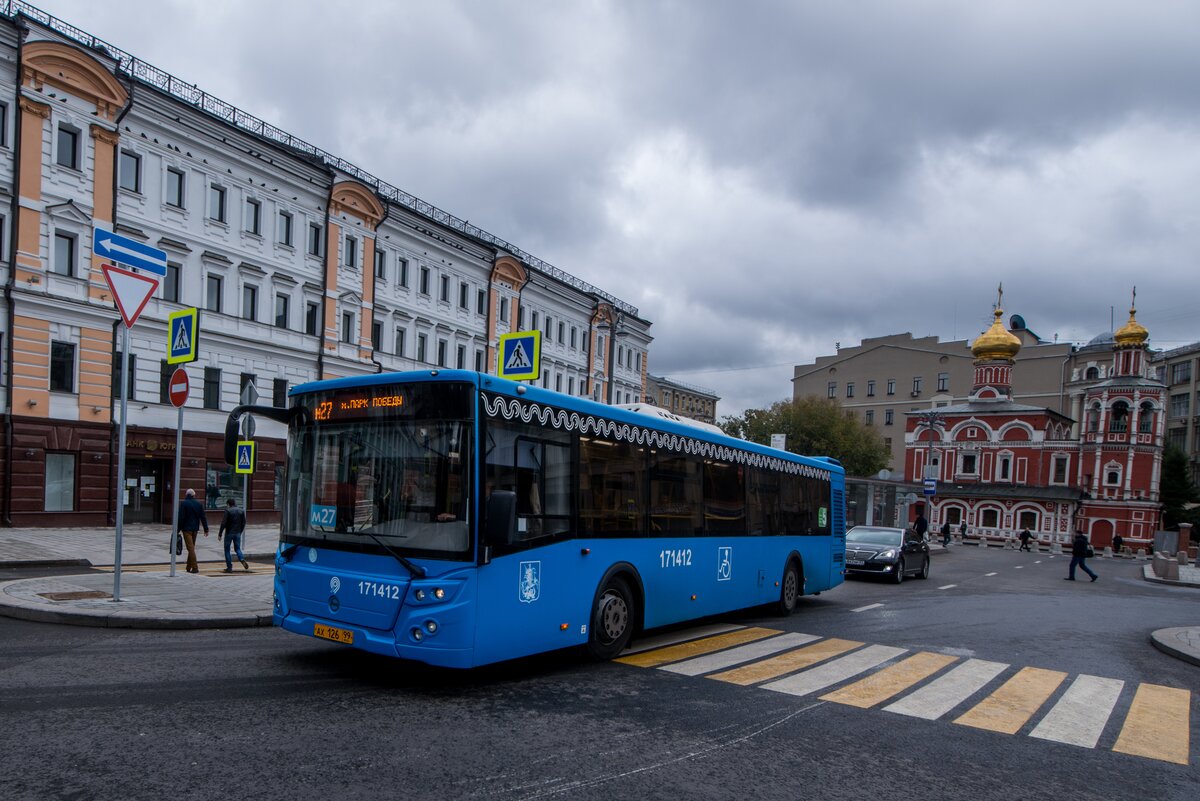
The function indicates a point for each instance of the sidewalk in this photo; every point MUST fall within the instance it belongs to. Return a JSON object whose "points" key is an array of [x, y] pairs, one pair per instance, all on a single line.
{"points": [[150, 596]]}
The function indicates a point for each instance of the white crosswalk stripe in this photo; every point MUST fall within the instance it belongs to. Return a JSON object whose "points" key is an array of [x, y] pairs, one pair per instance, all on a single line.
{"points": [[736, 656], [943, 694], [1079, 716], [835, 672]]}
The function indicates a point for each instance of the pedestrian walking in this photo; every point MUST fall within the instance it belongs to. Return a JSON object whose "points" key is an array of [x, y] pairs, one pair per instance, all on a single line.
{"points": [[921, 525], [191, 518], [1118, 541], [1025, 538], [946, 534], [1080, 551], [962, 528], [233, 526]]}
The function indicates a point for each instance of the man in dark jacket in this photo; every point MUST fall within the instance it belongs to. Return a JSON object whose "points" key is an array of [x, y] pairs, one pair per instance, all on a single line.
{"points": [[191, 518], [1079, 552], [233, 525]]}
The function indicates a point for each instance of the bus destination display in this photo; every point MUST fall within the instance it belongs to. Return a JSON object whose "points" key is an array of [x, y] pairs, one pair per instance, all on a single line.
{"points": [[358, 404]]}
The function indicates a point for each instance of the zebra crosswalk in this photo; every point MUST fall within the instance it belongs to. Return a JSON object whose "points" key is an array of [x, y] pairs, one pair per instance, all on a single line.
{"points": [[932, 686]]}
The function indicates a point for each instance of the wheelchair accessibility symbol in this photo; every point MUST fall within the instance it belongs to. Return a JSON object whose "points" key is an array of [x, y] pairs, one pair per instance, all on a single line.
{"points": [[724, 563]]}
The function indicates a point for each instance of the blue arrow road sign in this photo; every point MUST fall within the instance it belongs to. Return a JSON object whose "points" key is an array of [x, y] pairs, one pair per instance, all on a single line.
{"points": [[129, 252]]}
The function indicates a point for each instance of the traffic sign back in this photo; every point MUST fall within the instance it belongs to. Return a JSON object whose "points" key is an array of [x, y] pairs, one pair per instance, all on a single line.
{"points": [[131, 291]]}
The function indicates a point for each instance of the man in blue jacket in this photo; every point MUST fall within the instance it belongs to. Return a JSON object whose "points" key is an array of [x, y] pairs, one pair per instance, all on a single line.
{"points": [[191, 518]]}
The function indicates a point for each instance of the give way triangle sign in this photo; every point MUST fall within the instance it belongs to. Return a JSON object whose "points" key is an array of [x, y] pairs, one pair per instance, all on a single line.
{"points": [[131, 290]]}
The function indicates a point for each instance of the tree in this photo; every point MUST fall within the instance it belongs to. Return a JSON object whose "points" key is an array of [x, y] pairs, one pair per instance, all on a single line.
{"points": [[1176, 491], [814, 427]]}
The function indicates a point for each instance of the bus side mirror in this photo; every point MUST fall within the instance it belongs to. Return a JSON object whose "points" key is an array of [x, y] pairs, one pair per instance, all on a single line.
{"points": [[501, 520]]}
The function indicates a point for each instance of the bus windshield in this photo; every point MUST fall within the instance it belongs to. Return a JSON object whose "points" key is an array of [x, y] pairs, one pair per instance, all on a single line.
{"points": [[383, 469]]}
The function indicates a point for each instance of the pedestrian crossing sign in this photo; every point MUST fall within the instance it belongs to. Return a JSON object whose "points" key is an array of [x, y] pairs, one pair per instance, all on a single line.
{"points": [[183, 333], [520, 356], [246, 452]]}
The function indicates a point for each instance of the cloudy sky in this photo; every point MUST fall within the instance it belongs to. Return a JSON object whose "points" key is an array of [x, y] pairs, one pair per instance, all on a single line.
{"points": [[761, 179]]}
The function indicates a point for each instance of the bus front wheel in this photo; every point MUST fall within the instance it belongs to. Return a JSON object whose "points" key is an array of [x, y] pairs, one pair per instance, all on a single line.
{"points": [[612, 620], [789, 589]]}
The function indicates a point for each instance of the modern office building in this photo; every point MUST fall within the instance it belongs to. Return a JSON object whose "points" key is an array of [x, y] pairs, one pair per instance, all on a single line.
{"points": [[304, 267], [1179, 369]]}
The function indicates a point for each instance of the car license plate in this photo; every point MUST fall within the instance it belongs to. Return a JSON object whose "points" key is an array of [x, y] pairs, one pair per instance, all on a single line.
{"points": [[344, 636], [855, 562]]}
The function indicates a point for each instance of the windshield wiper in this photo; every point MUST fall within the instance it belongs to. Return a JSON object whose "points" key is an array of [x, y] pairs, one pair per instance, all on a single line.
{"points": [[413, 568]]}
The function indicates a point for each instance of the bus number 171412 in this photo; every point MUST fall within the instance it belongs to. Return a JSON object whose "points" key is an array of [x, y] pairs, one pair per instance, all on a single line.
{"points": [[679, 558]]}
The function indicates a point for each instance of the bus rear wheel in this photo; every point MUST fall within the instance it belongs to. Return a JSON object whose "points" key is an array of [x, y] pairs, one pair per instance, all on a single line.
{"points": [[612, 620], [789, 589]]}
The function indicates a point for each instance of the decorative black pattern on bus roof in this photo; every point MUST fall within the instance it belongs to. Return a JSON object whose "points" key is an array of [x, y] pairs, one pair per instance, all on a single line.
{"points": [[513, 410]]}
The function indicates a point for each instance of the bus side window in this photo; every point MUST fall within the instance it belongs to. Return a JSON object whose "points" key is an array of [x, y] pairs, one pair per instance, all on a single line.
{"points": [[612, 488], [676, 490], [763, 502]]}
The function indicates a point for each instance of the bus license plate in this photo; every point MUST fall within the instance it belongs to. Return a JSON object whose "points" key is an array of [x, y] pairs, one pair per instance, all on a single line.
{"points": [[344, 636], [855, 562]]}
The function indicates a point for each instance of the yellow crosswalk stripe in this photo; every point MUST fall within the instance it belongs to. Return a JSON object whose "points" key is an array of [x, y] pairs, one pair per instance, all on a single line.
{"points": [[674, 653], [1013, 704], [786, 663], [890, 681], [1157, 724]]}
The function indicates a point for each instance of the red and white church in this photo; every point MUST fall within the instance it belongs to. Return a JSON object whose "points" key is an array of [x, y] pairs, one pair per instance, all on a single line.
{"points": [[1003, 467]]}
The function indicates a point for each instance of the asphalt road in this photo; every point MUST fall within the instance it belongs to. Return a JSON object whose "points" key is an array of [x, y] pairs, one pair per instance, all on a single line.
{"points": [[99, 714]]}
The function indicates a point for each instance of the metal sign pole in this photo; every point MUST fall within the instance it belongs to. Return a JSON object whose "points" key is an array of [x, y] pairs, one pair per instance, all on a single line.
{"points": [[121, 488], [175, 489]]}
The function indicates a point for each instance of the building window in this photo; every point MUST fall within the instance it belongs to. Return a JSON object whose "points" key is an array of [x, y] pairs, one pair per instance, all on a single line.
{"points": [[174, 194], [1118, 421], [444, 289], [1060, 469], [64, 254], [212, 388], [887, 417], [1146, 417], [536, 318], [870, 389], [165, 371], [422, 340], [60, 482], [481, 302], [281, 310], [279, 388], [423, 287], [310, 317], [283, 228], [402, 273], [891, 386], [314, 239], [68, 148], [441, 353], [549, 328], [216, 203], [171, 282], [376, 335], [849, 389], [943, 382], [1112, 476], [1181, 373], [212, 293], [130, 393], [252, 224], [350, 255], [966, 464], [870, 417], [831, 390], [460, 360], [220, 484], [130, 170], [990, 518], [479, 361], [916, 385], [249, 302], [575, 340], [348, 327], [380, 264], [1179, 405], [62, 367], [399, 342], [561, 331], [1004, 468], [3, 125], [464, 296]]}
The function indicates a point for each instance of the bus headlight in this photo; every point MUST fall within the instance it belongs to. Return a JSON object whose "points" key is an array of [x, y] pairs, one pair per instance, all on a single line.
{"points": [[439, 593], [431, 626], [417, 634]]}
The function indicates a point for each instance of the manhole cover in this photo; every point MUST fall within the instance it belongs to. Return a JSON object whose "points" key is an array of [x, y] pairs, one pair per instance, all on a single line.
{"points": [[80, 595]]}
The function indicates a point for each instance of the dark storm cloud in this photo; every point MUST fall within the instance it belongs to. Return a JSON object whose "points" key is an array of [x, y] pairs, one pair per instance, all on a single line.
{"points": [[763, 179]]}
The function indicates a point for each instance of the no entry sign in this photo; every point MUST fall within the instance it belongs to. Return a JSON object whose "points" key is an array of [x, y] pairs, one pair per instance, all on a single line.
{"points": [[179, 387]]}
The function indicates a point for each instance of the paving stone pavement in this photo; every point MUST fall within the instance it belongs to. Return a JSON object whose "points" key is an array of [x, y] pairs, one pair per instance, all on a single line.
{"points": [[141, 544]]}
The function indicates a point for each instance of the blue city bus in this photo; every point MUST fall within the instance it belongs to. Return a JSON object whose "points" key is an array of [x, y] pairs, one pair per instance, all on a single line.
{"points": [[458, 519]]}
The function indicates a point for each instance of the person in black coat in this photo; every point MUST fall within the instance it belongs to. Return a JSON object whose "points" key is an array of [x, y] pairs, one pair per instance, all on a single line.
{"points": [[1025, 538], [1079, 553], [191, 518], [232, 528]]}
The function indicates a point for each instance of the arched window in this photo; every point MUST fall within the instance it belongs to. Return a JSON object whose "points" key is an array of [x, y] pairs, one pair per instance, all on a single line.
{"points": [[1112, 475], [1094, 417], [990, 518], [1119, 422], [1092, 373], [1146, 417]]}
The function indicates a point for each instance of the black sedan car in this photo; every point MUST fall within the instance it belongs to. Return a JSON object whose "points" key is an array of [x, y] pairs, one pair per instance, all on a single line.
{"points": [[883, 551]]}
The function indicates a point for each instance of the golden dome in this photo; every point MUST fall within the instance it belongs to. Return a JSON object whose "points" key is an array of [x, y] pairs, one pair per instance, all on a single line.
{"points": [[1132, 334], [997, 343]]}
